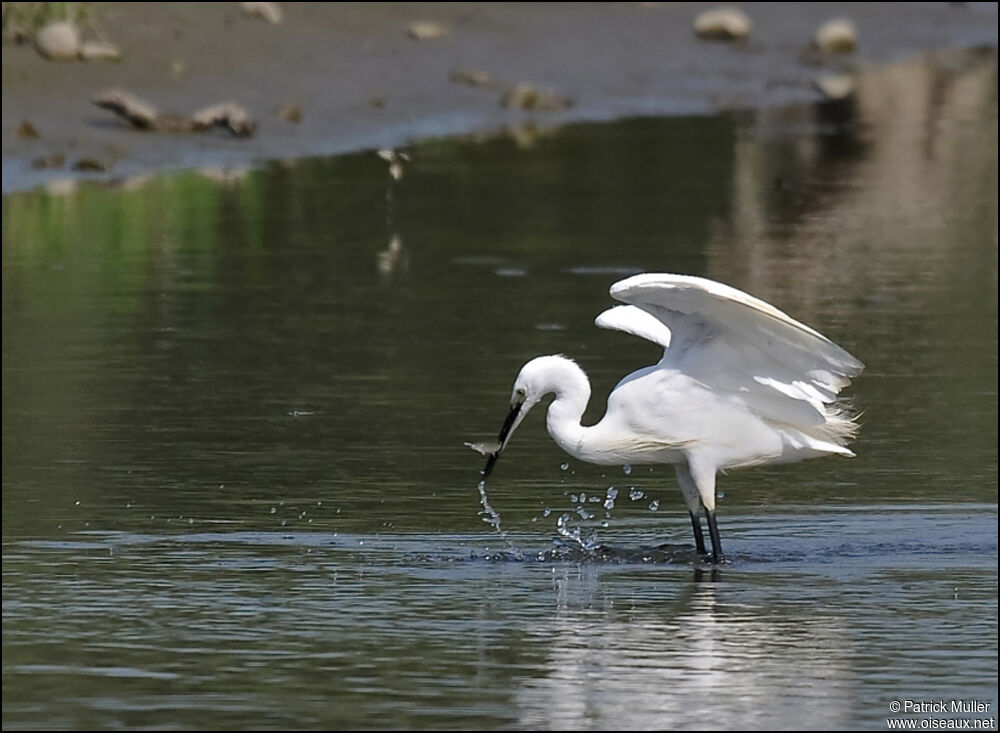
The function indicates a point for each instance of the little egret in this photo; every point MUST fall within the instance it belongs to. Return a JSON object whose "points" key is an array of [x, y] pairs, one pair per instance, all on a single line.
{"points": [[740, 384]]}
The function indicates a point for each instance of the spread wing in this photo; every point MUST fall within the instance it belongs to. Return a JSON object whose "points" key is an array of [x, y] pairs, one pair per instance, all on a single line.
{"points": [[732, 342]]}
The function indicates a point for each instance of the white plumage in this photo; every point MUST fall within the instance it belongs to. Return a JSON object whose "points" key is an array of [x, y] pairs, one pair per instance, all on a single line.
{"points": [[740, 384]]}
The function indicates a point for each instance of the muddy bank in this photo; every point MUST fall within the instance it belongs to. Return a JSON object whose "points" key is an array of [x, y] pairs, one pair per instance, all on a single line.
{"points": [[339, 77]]}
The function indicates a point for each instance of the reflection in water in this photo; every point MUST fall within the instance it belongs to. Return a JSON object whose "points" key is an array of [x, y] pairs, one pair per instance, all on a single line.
{"points": [[393, 256], [860, 215], [700, 663], [841, 196]]}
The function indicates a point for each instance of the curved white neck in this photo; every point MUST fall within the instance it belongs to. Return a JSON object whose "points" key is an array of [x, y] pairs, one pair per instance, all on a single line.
{"points": [[572, 390]]}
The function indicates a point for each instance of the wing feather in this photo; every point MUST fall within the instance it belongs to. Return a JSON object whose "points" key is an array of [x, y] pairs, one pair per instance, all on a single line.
{"points": [[634, 320], [740, 345]]}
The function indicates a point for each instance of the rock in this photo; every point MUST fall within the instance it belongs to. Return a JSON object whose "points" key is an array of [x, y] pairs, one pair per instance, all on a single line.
{"points": [[59, 41], [146, 117], [427, 30], [471, 77], [836, 36], [225, 114], [92, 165], [140, 113], [723, 24], [95, 51], [271, 12], [27, 131], [290, 112]]}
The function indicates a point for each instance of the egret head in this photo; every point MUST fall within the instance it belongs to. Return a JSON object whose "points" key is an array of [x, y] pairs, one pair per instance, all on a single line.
{"points": [[536, 379]]}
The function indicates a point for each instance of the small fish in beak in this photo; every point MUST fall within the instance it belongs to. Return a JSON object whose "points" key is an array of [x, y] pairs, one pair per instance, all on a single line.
{"points": [[492, 450]]}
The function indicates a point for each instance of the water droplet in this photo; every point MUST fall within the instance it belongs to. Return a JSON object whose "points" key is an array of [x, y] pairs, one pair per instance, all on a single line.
{"points": [[488, 513], [547, 512], [583, 497], [572, 498], [627, 469], [720, 494], [654, 505], [273, 510], [635, 494], [564, 466]]}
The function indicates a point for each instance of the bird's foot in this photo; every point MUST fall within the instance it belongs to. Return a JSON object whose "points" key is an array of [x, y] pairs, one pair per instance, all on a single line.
{"points": [[719, 559]]}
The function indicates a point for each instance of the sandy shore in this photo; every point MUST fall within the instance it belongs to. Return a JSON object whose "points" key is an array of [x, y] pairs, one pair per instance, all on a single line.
{"points": [[362, 82]]}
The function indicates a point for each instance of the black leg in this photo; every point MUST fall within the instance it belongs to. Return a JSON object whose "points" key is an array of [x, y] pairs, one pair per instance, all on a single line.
{"points": [[699, 538], [713, 531]]}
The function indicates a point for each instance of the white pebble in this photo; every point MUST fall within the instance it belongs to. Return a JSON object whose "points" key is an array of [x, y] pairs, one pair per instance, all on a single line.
{"points": [[271, 12], [427, 30], [723, 24], [836, 36], [59, 41]]}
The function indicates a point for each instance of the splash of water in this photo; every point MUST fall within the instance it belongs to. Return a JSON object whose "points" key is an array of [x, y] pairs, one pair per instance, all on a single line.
{"points": [[586, 543], [488, 513], [609, 499], [492, 517]]}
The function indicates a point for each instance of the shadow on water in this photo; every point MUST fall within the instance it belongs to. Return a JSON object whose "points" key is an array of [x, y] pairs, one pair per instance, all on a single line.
{"points": [[235, 403]]}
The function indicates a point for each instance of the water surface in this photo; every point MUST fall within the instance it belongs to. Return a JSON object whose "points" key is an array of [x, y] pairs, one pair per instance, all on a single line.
{"points": [[235, 492]]}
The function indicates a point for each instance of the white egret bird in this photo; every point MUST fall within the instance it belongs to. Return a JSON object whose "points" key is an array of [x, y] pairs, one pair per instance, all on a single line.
{"points": [[740, 384]]}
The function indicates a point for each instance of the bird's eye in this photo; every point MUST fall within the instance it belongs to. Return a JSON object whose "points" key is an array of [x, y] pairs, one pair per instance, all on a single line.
{"points": [[521, 392]]}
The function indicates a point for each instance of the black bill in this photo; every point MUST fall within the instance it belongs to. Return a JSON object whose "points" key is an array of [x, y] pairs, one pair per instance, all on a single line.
{"points": [[502, 438]]}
